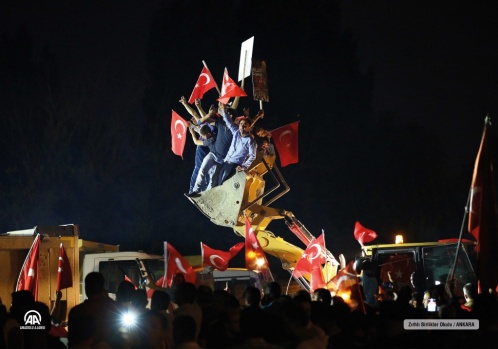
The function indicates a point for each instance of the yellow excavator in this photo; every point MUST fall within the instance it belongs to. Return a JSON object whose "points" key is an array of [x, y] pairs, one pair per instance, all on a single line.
{"points": [[245, 194]]}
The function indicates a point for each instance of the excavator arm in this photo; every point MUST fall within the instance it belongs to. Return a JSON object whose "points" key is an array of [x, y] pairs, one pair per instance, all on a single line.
{"points": [[242, 196]]}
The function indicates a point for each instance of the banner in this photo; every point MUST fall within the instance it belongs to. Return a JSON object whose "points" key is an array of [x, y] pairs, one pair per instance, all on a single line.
{"points": [[245, 58], [259, 81]]}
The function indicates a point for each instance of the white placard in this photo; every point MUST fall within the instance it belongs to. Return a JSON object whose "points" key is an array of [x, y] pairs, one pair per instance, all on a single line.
{"points": [[245, 58]]}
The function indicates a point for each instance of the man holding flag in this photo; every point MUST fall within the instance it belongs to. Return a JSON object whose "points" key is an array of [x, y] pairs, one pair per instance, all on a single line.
{"points": [[242, 150]]}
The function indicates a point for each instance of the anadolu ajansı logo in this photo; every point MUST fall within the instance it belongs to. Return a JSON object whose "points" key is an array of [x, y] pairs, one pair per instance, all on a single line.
{"points": [[32, 321]]}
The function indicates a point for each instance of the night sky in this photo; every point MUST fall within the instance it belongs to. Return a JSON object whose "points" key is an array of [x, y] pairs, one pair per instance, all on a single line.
{"points": [[391, 97]]}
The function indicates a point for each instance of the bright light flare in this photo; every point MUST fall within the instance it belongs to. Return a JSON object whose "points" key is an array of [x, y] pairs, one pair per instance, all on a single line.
{"points": [[345, 295], [129, 319], [398, 239], [260, 262]]}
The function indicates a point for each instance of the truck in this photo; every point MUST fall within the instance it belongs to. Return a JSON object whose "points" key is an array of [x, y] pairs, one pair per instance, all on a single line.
{"points": [[14, 247], [420, 266], [87, 256], [137, 267]]}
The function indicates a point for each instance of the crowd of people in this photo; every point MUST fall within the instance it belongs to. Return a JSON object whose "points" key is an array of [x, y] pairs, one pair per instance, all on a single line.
{"points": [[190, 316], [225, 143]]}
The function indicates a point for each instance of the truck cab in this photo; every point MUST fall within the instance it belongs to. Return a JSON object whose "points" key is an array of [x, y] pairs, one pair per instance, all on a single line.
{"points": [[419, 265], [236, 280], [119, 266], [137, 266]]}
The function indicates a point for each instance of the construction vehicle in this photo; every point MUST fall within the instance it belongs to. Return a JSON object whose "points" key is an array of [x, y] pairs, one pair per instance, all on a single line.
{"points": [[246, 194], [420, 266]]}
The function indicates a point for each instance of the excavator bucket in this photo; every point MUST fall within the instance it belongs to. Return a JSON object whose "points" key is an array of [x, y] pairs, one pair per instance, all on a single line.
{"points": [[221, 204]]}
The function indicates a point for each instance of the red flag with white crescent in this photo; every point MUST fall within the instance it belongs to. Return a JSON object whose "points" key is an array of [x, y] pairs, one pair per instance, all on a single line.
{"points": [[64, 272], [313, 256], [255, 256], [219, 259], [483, 215], [204, 83], [363, 234], [178, 133], [28, 277], [230, 89], [316, 279], [176, 263], [344, 279], [285, 139]]}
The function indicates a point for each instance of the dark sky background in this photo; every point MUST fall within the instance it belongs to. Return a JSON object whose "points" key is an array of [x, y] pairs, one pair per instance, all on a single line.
{"points": [[391, 97], [433, 61]]}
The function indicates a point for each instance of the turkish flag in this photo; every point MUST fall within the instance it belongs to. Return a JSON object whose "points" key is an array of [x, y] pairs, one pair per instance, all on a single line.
{"points": [[64, 272], [344, 279], [313, 256], [203, 84], [219, 259], [126, 278], [362, 234], [178, 133], [28, 277], [176, 263], [230, 89], [316, 280], [255, 256], [347, 282], [483, 213], [286, 141], [400, 266]]}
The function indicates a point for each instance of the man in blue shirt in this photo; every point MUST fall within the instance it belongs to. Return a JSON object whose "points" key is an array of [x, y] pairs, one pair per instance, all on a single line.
{"points": [[242, 151]]}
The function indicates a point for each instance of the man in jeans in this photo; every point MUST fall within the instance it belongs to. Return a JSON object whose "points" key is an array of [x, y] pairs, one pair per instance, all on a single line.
{"points": [[242, 150], [201, 151], [211, 160]]}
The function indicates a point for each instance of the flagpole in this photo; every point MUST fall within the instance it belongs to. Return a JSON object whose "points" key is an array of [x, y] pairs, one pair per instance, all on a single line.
{"points": [[216, 85], [487, 121], [166, 262], [361, 299], [202, 256], [327, 270], [235, 103], [451, 275]]}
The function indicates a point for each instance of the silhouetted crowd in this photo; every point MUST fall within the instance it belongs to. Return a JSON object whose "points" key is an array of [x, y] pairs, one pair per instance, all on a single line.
{"points": [[190, 316]]}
